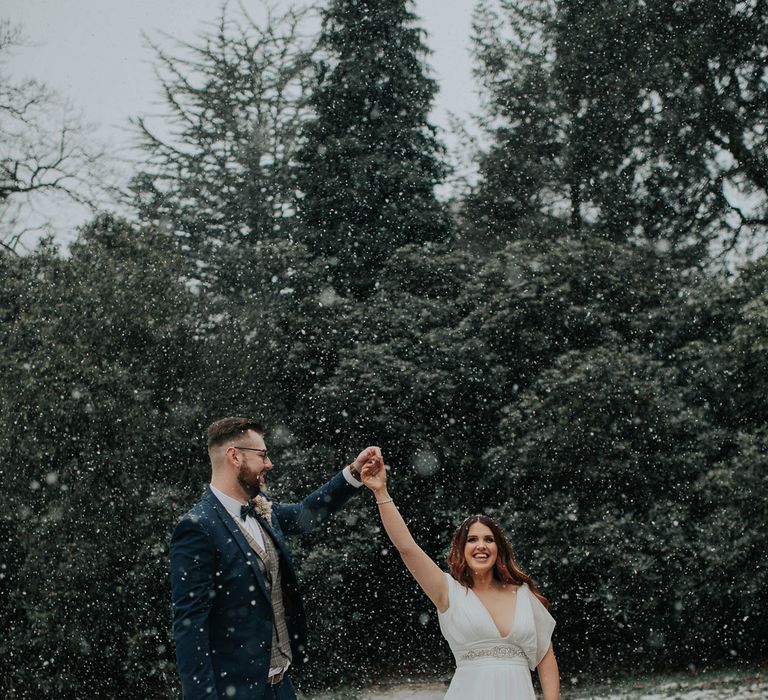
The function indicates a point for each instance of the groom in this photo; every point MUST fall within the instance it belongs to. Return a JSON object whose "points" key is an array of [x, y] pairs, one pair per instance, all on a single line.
{"points": [[237, 615]]}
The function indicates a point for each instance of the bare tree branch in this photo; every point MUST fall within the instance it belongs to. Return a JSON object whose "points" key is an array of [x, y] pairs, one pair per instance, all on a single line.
{"points": [[46, 154]]}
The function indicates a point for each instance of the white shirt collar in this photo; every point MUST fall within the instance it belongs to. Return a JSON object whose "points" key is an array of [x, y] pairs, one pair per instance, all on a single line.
{"points": [[231, 504]]}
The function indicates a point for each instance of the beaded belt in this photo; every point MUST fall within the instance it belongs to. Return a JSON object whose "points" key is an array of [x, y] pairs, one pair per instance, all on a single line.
{"points": [[503, 651]]}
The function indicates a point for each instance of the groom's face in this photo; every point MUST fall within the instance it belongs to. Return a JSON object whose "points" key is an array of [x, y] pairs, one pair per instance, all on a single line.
{"points": [[252, 464]]}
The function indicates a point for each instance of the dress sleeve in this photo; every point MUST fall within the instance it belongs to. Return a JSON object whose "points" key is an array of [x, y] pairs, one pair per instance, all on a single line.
{"points": [[454, 589], [544, 624]]}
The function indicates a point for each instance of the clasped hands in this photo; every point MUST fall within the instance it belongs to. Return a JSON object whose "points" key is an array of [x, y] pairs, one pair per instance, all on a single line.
{"points": [[370, 469]]}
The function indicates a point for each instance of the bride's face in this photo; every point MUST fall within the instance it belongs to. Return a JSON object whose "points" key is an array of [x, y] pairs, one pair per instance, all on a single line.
{"points": [[481, 550]]}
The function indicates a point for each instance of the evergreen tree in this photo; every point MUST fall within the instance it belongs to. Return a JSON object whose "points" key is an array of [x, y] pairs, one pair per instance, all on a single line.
{"points": [[371, 161], [646, 120], [98, 379], [519, 192], [219, 172]]}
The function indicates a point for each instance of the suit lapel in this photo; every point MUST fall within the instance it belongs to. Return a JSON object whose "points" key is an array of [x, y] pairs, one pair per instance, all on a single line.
{"points": [[277, 538], [239, 537]]}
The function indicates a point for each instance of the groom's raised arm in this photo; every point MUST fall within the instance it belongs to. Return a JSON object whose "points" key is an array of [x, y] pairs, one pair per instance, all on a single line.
{"points": [[301, 518], [193, 564]]}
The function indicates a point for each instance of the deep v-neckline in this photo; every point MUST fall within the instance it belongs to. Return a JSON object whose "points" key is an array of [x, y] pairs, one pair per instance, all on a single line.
{"points": [[490, 617]]}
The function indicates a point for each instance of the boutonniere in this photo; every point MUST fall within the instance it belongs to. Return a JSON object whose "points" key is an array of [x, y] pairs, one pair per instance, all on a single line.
{"points": [[262, 507]]}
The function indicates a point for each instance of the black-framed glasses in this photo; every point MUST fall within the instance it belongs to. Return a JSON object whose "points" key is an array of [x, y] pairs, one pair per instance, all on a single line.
{"points": [[262, 451]]}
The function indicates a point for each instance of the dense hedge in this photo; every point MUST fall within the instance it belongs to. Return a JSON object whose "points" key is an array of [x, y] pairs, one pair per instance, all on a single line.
{"points": [[608, 412]]}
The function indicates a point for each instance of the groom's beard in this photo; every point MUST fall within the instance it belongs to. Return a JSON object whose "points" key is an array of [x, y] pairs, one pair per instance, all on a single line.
{"points": [[249, 481]]}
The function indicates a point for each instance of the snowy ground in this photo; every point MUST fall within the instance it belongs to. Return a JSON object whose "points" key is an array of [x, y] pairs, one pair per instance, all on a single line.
{"points": [[737, 685]]}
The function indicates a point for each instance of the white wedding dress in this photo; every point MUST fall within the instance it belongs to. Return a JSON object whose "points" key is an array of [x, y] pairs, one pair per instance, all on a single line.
{"points": [[489, 666]]}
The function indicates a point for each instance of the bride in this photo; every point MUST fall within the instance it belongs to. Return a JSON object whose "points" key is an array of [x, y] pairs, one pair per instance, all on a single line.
{"points": [[493, 617]]}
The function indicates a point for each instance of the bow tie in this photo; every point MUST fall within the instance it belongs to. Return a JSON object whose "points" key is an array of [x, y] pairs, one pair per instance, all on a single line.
{"points": [[248, 509]]}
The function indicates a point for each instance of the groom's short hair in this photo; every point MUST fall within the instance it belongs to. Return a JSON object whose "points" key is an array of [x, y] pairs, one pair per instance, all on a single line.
{"points": [[224, 429]]}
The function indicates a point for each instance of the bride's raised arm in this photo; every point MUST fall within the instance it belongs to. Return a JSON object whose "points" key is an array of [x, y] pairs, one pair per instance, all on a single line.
{"points": [[427, 574]]}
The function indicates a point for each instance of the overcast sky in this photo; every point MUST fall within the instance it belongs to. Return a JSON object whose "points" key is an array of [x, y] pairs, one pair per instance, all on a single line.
{"points": [[93, 52]]}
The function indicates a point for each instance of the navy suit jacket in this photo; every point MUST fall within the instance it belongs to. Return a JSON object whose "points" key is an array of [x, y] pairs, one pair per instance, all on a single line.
{"points": [[222, 613]]}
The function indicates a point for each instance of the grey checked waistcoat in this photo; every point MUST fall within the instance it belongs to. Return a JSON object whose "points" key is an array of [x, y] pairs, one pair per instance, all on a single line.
{"points": [[269, 564]]}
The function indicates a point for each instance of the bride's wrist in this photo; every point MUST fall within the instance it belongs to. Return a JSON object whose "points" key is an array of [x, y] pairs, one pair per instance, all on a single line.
{"points": [[382, 495]]}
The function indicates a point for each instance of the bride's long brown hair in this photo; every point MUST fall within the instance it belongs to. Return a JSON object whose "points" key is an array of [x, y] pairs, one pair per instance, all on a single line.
{"points": [[506, 569]]}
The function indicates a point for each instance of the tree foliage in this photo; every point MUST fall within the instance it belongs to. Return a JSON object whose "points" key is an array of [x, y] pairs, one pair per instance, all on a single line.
{"points": [[606, 408], [640, 121], [370, 161], [45, 157], [219, 171]]}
